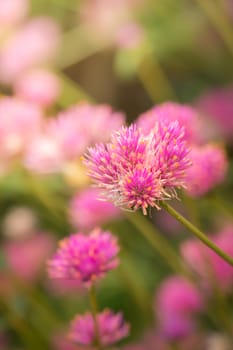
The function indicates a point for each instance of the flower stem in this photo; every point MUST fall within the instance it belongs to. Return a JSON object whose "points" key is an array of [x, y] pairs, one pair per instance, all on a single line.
{"points": [[94, 311], [158, 242], [199, 234]]}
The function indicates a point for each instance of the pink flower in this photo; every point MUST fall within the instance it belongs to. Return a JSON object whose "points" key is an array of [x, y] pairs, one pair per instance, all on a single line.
{"points": [[211, 268], [129, 35], [176, 303], [20, 122], [209, 167], [112, 328], [12, 12], [26, 258], [35, 43], [38, 86], [170, 112], [136, 171], [85, 258], [83, 125], [87, 212], [217, 106]]}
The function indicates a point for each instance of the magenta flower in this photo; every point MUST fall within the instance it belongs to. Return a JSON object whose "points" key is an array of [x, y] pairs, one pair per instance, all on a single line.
{"points": [[170, 111], [136, 171], [87, 212], [85, 258], [177, 301], [112, 328], [209, 167]]}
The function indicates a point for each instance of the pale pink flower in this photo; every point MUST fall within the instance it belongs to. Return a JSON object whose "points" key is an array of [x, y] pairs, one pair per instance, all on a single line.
{"points": [[12, 12], [87, 211], [26, 258], [38, 86], [137, 171], [20, 122], [35, 43], [212, 270], [129, 35], [85, 258], [209, 167], [186, 115], [112, 328]]}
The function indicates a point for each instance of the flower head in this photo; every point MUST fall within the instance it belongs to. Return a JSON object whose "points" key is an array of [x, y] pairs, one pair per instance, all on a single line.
{"points": [[136, 171], [85, 258], [87, 212], [112, 328], [209, 167]]}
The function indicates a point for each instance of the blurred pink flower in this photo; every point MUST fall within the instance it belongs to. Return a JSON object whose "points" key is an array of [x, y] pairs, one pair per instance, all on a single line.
{"points": [[26, 258], [176, 302], [112, 328], [20, 122], [217, 106], [137, 171], [35, 43], [85, 258], [212, 269], [170, 111], [38, 86], [61, 341], [87, 211], [209, 167], [83, 125], [12, 12], [104, 20], [129, 35]]}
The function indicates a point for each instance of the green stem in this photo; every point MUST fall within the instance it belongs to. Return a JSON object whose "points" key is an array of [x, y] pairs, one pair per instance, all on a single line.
{"points": [[158, 242], [199, 234], [94, 311]]}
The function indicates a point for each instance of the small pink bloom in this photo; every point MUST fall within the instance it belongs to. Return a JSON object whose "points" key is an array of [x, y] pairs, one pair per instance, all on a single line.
{"points": [[20, 122], [129, 35], [170, 111], [207, 263], [85, 258], [33, 44], [136, 171], [87, 211], [209, 167], [83, 125], [38, 86], [12, 12], [26, 258], [112, 328]]}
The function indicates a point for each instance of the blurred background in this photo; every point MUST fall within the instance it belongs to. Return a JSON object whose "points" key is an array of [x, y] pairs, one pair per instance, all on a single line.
{"points": [[58, 55]]}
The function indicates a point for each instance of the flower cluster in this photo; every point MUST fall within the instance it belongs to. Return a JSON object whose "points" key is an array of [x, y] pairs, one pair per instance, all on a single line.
{"points": [[112, 328], [135, 170], [85, 258]]}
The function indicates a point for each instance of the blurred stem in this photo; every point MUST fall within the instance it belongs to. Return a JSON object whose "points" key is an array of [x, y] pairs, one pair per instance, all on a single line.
{"points": [[94, 311], [199, 234], [219, 21], [155, 80], [158, 242]]}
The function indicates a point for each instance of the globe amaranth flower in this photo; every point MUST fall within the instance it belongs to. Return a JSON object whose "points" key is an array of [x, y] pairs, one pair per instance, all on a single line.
{"points": [[85, 258], [209, 167], [112, 328], [186, 115], [87, 212], [135, 170], [177, 301]]}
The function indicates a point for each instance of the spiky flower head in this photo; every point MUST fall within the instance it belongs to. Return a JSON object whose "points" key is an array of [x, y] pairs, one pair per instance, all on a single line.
{"points": [[85, 258], [112, 328], [135, 170]]}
